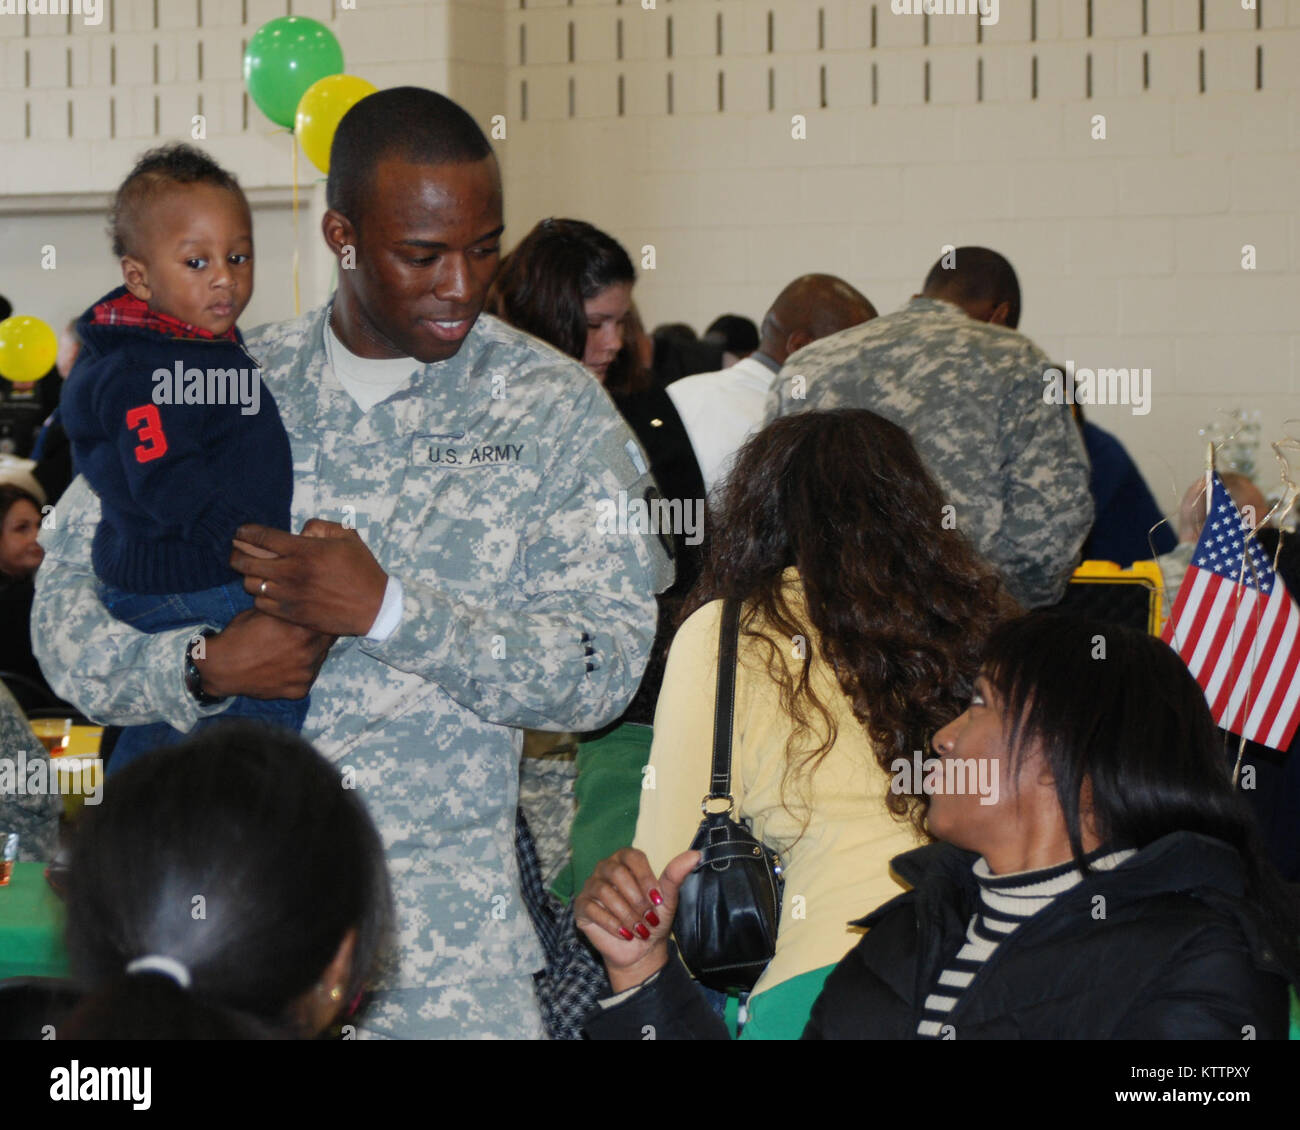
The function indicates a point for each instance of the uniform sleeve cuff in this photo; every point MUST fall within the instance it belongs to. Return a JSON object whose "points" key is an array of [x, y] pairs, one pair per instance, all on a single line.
{"points": [[390, 612]]}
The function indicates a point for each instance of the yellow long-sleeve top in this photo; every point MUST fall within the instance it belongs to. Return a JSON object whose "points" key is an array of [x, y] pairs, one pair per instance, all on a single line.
{"points": [[838, 869]]}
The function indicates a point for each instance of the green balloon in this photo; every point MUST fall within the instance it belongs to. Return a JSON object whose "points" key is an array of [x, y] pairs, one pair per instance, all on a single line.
{"points": [[284, 57]]}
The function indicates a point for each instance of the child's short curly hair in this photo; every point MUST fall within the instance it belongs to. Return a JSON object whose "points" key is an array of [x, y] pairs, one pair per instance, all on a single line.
{"points": [[154, 172]]}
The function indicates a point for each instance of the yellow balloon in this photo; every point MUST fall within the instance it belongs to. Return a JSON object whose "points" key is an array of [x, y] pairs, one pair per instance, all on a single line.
{"points": [[28, 348], [321, 109]]}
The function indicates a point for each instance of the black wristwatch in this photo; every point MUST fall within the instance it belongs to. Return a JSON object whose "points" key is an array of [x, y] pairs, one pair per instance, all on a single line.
{"points": [[194, 678]]}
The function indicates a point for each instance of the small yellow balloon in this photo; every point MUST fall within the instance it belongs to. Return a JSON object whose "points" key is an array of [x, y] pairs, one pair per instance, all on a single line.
{"points": [[28, 348], [321, 109]]}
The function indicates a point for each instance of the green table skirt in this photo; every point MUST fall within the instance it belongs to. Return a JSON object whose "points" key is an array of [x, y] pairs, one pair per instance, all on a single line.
{"points": [[31, 926]]}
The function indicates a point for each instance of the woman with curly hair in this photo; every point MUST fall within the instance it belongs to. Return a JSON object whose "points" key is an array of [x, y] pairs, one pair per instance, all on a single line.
{"points": [[862, 622]]}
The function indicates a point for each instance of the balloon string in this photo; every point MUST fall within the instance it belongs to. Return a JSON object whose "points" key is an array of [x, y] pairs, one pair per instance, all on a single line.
{"points": [[297, 299]]}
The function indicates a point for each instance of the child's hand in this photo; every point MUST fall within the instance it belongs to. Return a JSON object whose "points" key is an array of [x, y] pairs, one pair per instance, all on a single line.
{"points": [[322, 528], [253, 550]]}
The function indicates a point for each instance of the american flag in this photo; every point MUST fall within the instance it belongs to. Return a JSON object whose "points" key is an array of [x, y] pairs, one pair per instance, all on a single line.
{"points": [[1238, 630]]}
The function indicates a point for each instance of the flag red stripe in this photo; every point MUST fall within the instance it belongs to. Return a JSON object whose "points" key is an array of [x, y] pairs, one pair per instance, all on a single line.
{"points": [[1218, 634], [1200, 638], [1265, 693], [1281, 674], [1183, 629], [1268, 730], [1243, 666]]}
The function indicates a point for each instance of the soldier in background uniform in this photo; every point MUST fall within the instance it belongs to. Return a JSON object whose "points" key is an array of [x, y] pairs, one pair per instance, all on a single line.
{"points": [[450, 472], [950, 369]]}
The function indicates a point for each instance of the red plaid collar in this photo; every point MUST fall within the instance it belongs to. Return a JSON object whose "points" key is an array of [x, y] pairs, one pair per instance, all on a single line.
{"points": [[125, 309]]}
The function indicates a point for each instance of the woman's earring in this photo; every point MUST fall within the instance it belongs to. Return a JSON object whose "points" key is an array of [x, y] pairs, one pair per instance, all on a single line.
{"points": [[336, 994]]}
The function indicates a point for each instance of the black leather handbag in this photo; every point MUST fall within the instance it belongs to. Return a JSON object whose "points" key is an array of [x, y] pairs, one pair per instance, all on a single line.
{"points": [[729, 907]]}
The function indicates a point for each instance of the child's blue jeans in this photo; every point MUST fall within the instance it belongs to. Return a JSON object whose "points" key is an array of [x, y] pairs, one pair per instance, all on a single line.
{"points": [[160, 612]]}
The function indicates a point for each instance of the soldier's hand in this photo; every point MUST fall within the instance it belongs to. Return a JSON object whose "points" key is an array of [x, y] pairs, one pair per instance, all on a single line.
{"points": [[262, 657], [324, 579], [627, 914]]}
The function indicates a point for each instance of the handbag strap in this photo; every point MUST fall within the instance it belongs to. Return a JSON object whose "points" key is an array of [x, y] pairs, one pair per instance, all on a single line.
{"points": [[725, 703]]}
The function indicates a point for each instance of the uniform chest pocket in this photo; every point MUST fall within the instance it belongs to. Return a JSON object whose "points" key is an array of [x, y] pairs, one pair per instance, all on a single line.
{"points": [[457, 538], [464, 505]]}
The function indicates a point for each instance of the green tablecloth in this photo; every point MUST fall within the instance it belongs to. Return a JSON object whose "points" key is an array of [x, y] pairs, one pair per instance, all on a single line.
{"points": [[31, 926]]}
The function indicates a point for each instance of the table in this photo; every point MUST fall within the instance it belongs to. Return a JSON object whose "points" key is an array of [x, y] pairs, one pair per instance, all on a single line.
{"points": [[31, 926], [83, 741]]}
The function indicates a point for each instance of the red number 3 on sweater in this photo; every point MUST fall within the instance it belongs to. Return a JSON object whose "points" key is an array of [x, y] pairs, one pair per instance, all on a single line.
{"points": [[145, 420]]}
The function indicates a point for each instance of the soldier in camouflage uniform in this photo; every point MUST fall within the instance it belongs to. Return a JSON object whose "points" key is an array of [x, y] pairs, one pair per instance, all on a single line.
{"points": [[473, 494], [34, 816], [950, 369]]}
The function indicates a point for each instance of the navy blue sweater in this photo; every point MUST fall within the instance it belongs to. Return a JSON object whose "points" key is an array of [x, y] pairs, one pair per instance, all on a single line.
{"points": [[175, 479], [1126, 509]]}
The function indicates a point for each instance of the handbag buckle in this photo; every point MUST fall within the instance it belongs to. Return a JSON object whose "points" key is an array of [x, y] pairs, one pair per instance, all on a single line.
{"points": [[731, 803]]}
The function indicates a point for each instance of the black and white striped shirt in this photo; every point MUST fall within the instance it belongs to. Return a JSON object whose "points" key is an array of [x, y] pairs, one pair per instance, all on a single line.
{"points": [[1006, 901]]}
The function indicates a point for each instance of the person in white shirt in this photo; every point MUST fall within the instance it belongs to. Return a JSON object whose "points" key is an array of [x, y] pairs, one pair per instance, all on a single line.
{"points": [[721, 410]]}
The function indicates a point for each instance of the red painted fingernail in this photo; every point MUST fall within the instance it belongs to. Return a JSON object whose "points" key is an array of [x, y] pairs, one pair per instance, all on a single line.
{"points": [[657, 899], [641, 931], [652, 918], [627, 934]]}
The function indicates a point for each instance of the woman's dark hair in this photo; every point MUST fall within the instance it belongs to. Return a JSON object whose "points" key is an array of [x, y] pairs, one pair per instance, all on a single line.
{"points": [[898, 602], [543, 283], [10, 494], [1118, 709], [155, 171], [238, 853], [627, 373]]}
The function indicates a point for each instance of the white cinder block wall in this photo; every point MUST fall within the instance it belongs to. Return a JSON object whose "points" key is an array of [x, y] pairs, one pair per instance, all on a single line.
{"points": [[923, 132], [673, 127]]}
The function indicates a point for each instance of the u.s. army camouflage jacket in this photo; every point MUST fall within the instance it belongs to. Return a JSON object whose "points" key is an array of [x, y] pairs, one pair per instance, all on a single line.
{"points": [[970, 395], [479, 487], [29, 800]]}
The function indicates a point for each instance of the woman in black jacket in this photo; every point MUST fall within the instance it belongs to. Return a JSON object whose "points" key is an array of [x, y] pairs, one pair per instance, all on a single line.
{"points": [[1097, 878]]}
